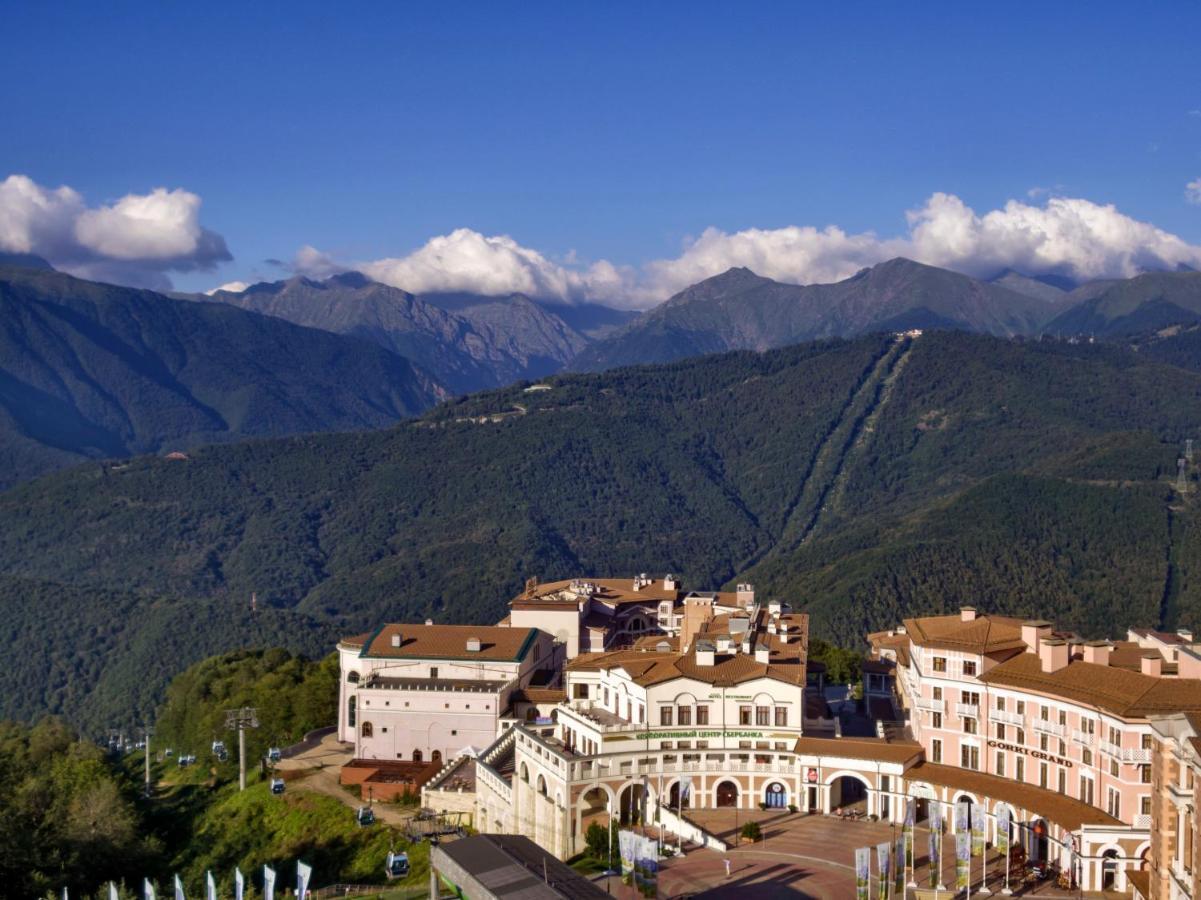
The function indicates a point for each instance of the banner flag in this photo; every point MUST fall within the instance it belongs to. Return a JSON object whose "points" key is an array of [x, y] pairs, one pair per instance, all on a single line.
{"points": [[178, 889], [112, 891], [304, 875], [268, 883], [935, 844], [626, 845], [1003, 831], [646, 866], [883, 853], [863, 872], [978, 818], [147, 890], [963, 816], [963, 859], [210, 886], [899, 868], [239, 884]]}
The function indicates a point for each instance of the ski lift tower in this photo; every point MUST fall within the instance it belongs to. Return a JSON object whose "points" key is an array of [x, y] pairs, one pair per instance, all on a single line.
{"points": [[241, 719], [1181, 483]]}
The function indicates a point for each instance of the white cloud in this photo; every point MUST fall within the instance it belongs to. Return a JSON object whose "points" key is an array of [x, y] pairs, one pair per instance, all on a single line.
{"points": [[1192, 191], [312, 263], [136, 240], [233, 287]]}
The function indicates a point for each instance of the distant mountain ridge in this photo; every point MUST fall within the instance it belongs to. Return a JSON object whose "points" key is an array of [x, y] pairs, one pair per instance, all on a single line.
{"points": [[476, 343], [92, 370], [1130, 307], [739, 310]]}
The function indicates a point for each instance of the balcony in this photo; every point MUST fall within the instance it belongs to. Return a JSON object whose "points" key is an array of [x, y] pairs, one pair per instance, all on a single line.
{"points": [[1110, 749], [1009, 718], [1136, 755], [1142, 820], [971, 710], [931, 705], [1046, 725], [1086, 738]]}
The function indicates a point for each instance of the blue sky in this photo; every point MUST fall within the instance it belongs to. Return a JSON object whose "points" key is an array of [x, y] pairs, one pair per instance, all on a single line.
{"points": [[616, 131]]}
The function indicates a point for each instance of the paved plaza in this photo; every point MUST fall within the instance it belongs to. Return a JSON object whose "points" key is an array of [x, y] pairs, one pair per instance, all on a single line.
{"points": [[803, 856]]}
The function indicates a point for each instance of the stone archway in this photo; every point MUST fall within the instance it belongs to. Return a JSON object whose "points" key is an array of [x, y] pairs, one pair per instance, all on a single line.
{"points": [[632, 804], [1110, 865], [726, 795], [849, 792]]}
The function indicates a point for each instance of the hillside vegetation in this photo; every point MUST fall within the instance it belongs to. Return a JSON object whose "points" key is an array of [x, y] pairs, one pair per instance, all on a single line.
{"points": [[862, 480]]}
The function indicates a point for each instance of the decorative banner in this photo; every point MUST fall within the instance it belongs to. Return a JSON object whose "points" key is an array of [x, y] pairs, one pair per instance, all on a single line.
{"points": [[1003, 832], [907, 831], [863, 872], [899, 868], [978, 830], [112, 891], [178, 889], [147, 890], [239, 884], [883, 852], [963, 859], [268, 883], [304, 874], [626, 846], [210, 886], [935, 844], [646, 866], [963, 816]]}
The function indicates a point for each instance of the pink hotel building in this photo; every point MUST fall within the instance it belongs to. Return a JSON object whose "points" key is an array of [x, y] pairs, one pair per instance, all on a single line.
{"points": [[1018, 700]]}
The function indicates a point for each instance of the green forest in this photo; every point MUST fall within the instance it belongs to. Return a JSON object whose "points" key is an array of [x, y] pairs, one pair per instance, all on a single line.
{"points": [[76, 816], [861, 480]]}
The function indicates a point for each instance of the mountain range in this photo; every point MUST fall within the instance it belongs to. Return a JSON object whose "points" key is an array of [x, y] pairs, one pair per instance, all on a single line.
{"points": [[97, 371], [862, 480]]}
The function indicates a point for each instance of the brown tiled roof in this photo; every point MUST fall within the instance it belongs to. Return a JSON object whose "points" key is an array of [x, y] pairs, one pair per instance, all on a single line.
{"points": [[1140, 880], [647, 667], [357, 640], [1166, 637], [878, 666], [872, 749], [652, 642], [538, 695], [1115, 690], [497, 643], [1058, 808], [610, 590], [984, 634], [898, 643]]}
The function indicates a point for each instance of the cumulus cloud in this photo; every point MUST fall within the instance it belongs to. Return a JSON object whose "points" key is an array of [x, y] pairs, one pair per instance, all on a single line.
{"points": [[233, 287], [312, 263], [1192, 191], [137, 240]]}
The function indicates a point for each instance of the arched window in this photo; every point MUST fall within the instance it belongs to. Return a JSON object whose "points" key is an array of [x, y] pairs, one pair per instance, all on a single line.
{"points": [[352, 677], [417, 757], [367, 730], [350, 712]]}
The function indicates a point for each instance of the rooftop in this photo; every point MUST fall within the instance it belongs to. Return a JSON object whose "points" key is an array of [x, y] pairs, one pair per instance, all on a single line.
{"points": [[395, 641], [513, 866], [613, 591], [983, 634], [647, 667]]}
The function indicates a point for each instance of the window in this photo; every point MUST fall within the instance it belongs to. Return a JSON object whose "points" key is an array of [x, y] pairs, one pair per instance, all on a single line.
{"points": [[1043, 742], [684, 745], [665, 745], [1114, 769], [936, 751], [969, 725], [936, 720], [940, 664], [1000, 767], [1000, 704], [702, 745], [1062, 781], [665, 715], [1063, 748], [1114, 804], [1115, 736], [1042, 775], [969, 756], [972, 698], [1021, 707], [433, 671], [1086, 756], [1000, 731], [762, 715], [1144, 805], [937, 695], [1086, 790], [684, 715], [702, 715], [781, 716], [1088, 726], [1019, 764], [1063, 718], [367, 730], [1019, 735], [744, 715], [605, 697], [969, 667], [579, 691], [1144, 774], [1148, 742], [641, 713]]}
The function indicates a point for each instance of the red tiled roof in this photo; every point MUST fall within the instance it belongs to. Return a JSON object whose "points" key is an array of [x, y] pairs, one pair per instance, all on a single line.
{"points": [[497, 643]]}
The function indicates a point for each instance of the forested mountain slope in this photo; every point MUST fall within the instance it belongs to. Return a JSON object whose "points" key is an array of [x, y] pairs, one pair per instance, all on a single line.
{"points": [[92, 370], [861, 480]]}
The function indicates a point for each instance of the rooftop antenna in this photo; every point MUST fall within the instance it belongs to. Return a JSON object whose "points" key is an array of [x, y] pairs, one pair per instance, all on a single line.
{"points": [[241, 719], [1181, 485]]}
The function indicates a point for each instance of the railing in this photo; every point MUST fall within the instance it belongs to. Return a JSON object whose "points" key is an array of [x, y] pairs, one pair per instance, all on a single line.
{"points": [[1142, 820], [1135, 755], [1050, 727], [1084, 737], [1009, 718], [1110, 749], [931, 705], [971, 710]]}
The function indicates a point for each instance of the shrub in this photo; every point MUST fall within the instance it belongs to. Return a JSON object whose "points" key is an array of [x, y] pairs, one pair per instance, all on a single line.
{"points": [[752, 831]]}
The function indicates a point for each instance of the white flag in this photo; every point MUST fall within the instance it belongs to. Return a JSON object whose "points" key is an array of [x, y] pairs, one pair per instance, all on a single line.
{"points": [[239, 884], [210, 886], [268, 883], [112, 891], [179, 889], [147, 889], [304, 874]]}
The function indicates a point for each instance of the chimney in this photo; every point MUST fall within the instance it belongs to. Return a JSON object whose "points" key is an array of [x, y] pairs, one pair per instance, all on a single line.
{"points": [[1185, 634], [967, 613], [724, 644], [1097, 652], [1152, 664], [1033, 631], [762, 654], [1053, 654], [744, 596], [670, 583], [473, 645], [704, 653], [429, 621], [1188, 663], [696, 614], [396, 639]]}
